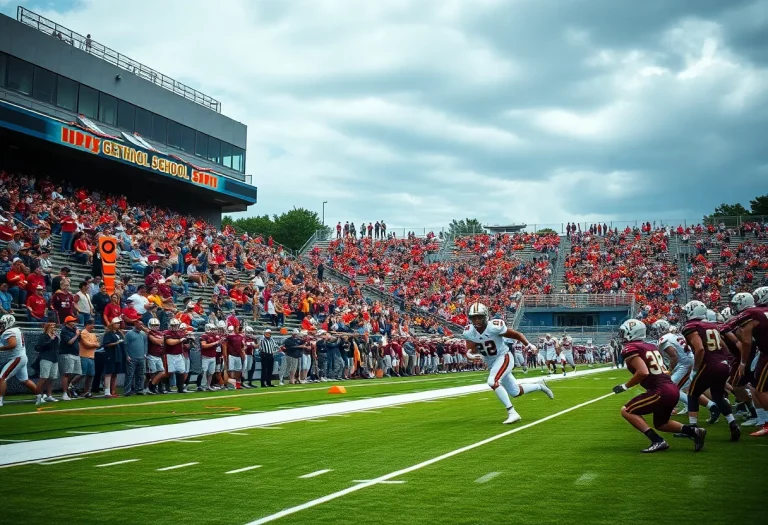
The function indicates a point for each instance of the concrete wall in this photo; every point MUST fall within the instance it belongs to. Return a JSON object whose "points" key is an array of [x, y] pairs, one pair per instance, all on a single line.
{"points": [[27, 43]]}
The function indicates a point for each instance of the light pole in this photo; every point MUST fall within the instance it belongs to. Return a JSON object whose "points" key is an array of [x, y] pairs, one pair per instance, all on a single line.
{"points": [[324, 203]]}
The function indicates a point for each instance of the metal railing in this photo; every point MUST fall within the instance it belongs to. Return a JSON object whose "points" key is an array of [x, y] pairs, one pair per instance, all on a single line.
{"points": [[49, 27], [557, 331], [579, 300]]}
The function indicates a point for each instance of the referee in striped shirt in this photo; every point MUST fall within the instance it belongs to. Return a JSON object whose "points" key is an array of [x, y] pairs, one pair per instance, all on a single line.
{"points": [[267, 349]]}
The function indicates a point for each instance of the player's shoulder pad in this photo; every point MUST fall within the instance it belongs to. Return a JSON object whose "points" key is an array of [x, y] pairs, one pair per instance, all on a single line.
{"points": [[630, 348], [496, 326]]}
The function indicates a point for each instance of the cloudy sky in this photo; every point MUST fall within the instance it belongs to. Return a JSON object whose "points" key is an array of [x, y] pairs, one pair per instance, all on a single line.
{"points": [[421, 111]]}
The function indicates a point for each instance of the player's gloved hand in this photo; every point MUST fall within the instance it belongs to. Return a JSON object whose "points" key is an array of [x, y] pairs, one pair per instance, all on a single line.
{"points": [[618, 389]]}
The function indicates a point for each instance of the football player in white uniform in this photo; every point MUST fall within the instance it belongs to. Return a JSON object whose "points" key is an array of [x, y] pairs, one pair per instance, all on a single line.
{"points": [[13, 358], [551, 348], [566, 343], [517, 348], [487, 339]]}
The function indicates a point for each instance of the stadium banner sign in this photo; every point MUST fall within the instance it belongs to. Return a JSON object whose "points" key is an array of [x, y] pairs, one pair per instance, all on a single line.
{"points": [[106, 146]]}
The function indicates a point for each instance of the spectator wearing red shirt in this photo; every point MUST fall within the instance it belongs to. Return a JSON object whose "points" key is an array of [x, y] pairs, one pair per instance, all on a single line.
{"points": [[17, 282], [37, 306], [68, 228], [35, 279]]}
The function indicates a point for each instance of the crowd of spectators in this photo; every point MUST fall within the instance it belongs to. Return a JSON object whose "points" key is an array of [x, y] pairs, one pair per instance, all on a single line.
{"points": [[377, 230]]}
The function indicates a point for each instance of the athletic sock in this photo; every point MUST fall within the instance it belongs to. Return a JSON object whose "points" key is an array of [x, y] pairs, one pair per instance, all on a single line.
{"points": [[689, 430], [107, 390], [693, 420], [528, 388], [503, 396], [729, 418], [710, 404], [653, 436]]}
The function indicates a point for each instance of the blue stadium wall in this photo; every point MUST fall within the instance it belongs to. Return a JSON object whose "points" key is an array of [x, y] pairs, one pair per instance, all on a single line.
{"points": [[599, 318]]}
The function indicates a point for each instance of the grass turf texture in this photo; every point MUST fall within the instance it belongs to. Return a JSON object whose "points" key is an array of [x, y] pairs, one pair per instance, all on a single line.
{"points": [[584, 466]]}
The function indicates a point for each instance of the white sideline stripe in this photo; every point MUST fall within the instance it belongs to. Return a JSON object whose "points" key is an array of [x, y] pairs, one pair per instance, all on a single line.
{"points": [[488, 477], [59, 461], [358, 384], [585, 479], [14, 440], [391, 482], [244, 469], [118, 463], [315, 474], [43, 449], [174, 467], [402, 472], [82, 432]]}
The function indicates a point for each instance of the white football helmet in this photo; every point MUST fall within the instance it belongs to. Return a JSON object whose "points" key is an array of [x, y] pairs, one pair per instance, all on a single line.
{"points": [[183, 326], [210, 327], [632, 330], [7, 321], [742, 301], [695, 310], [154, 322], [673, 329], [661, 327], [221, 325], [175, 324], [478, 310], [726, 313], [711, 315], [761, 296], [249, 330]]}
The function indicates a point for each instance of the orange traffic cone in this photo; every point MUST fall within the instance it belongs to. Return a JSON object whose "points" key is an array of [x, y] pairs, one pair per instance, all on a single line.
{"points": [[337, 390]]}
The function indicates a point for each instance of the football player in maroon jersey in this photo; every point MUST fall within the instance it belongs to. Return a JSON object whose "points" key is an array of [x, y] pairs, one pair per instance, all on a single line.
{"points": [[661, 395], [710, 366], [754, 325]]}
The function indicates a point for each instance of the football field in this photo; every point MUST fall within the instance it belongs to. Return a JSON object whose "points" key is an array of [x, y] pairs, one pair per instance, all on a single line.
{"points": [[430, 450]]}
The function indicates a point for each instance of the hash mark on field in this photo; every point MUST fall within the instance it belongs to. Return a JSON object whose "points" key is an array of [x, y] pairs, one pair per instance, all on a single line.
{"points": [[370, 411], [14, 440], [59, 461], [244, 469], [695, 482], [118, 463], [314, 474], [136, 426], [488, 477], [268, 427], [174, 467], [82, 432], [187, 441], [189, 419], [585, 479], [317, 420], [237, 433]]}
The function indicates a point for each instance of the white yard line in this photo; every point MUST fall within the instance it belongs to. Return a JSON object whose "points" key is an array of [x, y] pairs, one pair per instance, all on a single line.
{"points": [[488, 477], [14, 440], [174, 467], [137, 426], [44, 449], [391, 482], [585, 479], [315, 474], [418, 466], [118, 463], [244, 469], [238, 434]]}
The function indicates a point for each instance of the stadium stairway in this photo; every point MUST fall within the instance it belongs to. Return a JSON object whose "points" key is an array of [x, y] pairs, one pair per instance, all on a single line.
{"points": [[713, 256]]}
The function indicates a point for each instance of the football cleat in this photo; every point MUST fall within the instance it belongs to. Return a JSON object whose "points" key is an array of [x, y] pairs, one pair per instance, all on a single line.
{"points": [[762, 432], [735, 431], [512, 417], [546, 389], [698, 438], [714, 415], [656, 447]]}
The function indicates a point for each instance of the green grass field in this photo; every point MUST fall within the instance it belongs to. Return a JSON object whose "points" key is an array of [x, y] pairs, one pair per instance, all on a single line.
{"points": [[583, 466]]}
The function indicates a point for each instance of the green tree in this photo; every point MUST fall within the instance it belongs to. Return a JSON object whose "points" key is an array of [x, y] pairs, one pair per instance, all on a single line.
{"points": [[294, 227], [545, 231], [726, 210], [759, 205], [465, 227]]}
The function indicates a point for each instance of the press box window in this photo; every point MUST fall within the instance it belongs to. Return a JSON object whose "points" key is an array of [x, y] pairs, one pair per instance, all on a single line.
{"points": [[66, 93], [20, 75], [107, 109], [45, 85], [88, 103]]}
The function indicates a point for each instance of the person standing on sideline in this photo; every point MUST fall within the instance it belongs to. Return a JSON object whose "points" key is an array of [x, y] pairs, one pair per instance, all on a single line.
{"points": [[69, 355], [47, 350], [89, 343], [136, 347], [267, 349], [114, 351]]}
